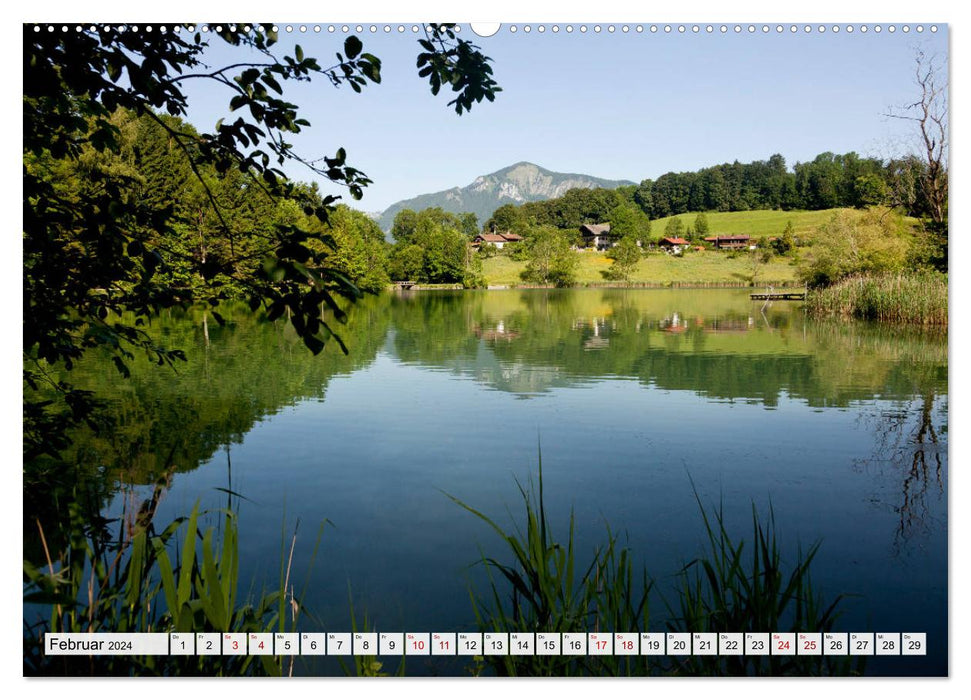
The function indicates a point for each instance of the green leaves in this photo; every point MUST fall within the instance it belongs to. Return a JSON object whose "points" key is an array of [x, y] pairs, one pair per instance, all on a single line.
{"points": [[315, 343], [458, 63], [272, 82], [177, 595], [106, 581], [352, 46], [550, 259]]}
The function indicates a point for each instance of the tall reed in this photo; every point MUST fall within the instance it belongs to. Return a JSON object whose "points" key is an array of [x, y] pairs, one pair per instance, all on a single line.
{"points": [[738, 588], [549, 592], [179, 579], [733, 587], [913, 298]]}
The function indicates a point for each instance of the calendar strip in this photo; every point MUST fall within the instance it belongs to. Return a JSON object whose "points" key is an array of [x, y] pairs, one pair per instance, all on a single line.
{"points": [[489, 644]]}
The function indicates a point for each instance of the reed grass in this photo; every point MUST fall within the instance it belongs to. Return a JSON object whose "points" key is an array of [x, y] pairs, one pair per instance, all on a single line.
{"points": [[544, 589], [736, 587], [732, 587], [180, 579], [906, 298], [366, 665], [146, 581]]}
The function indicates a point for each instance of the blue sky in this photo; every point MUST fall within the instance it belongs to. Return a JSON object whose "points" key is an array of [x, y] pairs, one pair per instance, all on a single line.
{"points": [[628, 106]]}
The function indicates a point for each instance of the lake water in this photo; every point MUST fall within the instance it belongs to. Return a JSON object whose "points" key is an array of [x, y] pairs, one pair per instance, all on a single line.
{"points": [[632, 395]]}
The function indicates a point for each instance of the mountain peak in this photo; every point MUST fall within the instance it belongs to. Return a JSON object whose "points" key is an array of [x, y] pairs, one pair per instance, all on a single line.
{"points": [[515, 184], [520, 165]]}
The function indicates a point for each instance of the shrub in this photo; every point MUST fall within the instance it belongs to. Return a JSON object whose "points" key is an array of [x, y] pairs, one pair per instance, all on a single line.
{"points": [[488, 250], [845, 245], [783, 244]]}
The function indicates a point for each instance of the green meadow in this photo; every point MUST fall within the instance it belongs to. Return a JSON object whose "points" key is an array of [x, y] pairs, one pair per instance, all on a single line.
{"points": [[702, 267], [755, 223], [762, 222]]}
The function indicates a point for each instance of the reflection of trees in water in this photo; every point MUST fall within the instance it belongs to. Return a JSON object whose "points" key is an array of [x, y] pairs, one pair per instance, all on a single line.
{"points": [[162, 421], [715, 343], [911, 444]]}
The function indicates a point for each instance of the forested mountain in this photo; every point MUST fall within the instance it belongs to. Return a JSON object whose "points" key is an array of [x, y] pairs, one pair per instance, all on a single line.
{"points": [[516, 184]]}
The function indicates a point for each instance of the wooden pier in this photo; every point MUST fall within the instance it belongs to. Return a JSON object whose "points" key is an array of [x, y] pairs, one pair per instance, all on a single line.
{"points": [[779, 296]]}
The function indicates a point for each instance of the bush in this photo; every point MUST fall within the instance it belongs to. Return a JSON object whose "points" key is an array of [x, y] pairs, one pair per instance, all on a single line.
{"points": [[844, 246], [488, 250], [517, 251], [784, 244]]}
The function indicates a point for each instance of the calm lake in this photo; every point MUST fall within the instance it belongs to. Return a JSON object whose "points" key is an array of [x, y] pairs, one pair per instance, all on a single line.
{"points": [[632, 396]]}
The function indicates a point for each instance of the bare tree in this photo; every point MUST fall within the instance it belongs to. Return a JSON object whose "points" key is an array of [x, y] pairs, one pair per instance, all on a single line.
{"points": [[760, 256], [924, 177]]}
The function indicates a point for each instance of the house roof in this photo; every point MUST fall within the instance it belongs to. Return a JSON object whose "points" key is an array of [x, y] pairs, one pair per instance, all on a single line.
{"points": [[507, 237], [674, 241], [595, 229], [715, 239], [491, 237]]}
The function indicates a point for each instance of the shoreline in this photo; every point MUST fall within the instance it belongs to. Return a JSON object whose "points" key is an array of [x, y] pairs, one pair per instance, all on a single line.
{"points": [[776, 285]]}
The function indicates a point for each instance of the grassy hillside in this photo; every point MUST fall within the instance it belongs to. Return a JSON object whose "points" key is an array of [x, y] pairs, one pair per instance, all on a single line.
{"points": [[757, 223], [761, 222], [707, 266]]}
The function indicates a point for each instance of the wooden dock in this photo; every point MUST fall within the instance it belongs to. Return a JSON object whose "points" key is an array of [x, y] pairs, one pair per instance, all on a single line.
{"points": [[779, 296]]}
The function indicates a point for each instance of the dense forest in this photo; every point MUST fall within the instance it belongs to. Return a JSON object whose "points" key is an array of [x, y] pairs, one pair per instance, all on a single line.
{"points": [[199, 244]]}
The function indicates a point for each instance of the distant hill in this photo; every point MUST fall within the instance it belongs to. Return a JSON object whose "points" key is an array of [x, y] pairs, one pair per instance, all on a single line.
{"points": [[522, 182]]}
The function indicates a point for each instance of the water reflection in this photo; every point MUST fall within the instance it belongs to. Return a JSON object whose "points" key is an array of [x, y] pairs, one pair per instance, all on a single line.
{"points": [[910, 448], [715, 344], [630, 390]]}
